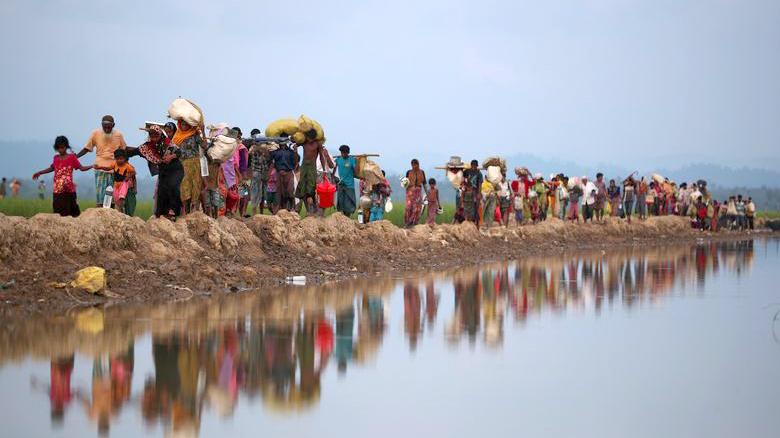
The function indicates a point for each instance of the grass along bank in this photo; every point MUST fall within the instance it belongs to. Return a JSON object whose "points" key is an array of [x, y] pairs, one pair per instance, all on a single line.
{"points": [[30, 207], [27, 207]]}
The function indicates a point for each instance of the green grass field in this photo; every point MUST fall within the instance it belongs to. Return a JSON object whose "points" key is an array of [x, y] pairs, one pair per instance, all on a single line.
{"points": [[30, 207], [768, 214]]}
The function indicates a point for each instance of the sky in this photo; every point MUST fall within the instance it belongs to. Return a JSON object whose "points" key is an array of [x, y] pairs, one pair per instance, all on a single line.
{"points": [[637, 82]]}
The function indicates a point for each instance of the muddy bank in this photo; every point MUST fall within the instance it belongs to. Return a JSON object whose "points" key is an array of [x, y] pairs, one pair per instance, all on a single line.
{"points": [[159, 261]]}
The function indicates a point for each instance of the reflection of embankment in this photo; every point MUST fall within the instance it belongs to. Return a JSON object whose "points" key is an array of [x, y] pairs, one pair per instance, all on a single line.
{"points": [[581, 282], [93, 331], [571, 281]]}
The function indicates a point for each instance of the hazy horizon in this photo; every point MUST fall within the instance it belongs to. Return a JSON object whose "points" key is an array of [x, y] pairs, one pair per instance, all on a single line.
{"points": [[630, 83]]}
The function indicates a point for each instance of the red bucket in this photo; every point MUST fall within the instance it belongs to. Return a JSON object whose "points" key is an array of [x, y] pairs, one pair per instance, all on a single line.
{"points": [[326, 192]]}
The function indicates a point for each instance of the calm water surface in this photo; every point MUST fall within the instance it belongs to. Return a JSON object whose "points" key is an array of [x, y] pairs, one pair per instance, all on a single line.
{"points": [[677, 341]]}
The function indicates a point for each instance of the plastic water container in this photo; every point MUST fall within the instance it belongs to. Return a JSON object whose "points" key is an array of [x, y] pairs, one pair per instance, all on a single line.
{"points": [[109, 197], [204, 166], [297, 280], [326, 192]]}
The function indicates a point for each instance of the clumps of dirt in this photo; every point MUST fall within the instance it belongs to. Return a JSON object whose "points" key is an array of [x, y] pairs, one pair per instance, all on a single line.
{"points": [[159, 260]]}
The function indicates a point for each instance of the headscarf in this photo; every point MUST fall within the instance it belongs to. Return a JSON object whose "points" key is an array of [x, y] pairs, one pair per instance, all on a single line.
{"points": [[183, 134], [149, 150]]}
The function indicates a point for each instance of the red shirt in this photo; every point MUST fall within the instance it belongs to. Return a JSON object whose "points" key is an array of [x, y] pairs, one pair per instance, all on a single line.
{"points": [[524, 183], [63, 173]]}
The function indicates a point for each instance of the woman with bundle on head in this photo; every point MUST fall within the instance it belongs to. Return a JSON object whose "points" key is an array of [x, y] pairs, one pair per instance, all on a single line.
{"points": [[165, 156]]}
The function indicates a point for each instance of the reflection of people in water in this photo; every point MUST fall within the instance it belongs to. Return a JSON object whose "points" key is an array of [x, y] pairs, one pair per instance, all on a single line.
{"points": [[121, 366], [492, 308], [412, 313], [431, 302], [223, 377], [172, 395], [467, 306], [100, 407], [60, 393], [310, 369], [371, 327], [345, 323]]}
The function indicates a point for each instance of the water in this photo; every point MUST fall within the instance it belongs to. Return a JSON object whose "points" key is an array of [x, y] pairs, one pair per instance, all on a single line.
{"points": [[677, 341]]}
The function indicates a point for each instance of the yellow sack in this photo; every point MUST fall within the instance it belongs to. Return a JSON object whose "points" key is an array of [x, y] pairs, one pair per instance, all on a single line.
{"points": [[306, 124], [91, 279], [299, 137], [282, 126], [608, 208]]}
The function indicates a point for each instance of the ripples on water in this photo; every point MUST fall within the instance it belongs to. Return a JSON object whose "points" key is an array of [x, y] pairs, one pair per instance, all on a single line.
{"points": [[225, 365]]}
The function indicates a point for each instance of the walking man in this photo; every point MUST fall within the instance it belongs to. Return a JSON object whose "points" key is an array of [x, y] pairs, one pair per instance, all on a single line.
{"points": [[345, 164], [104, 142]]}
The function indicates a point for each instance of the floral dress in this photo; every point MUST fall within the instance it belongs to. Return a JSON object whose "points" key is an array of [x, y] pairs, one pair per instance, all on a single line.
{"points": [[64, 199]]}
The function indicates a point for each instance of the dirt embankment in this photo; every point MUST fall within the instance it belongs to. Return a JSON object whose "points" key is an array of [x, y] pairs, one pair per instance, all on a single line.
{"points": [[159, 261]]}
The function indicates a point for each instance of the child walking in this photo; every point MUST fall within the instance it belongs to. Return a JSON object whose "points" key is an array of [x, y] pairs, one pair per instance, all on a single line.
{"points": [[271, 191], [64, 199], [124, 183], [433, 202]]}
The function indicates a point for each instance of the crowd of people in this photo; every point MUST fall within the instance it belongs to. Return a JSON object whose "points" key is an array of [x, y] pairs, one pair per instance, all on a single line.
{"points": [[274, 173], [532, 199]]}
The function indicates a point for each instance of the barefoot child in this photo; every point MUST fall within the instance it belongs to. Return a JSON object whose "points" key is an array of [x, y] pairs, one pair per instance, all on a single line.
{"points": [[124, 183], [433, 202], [64, 199]]}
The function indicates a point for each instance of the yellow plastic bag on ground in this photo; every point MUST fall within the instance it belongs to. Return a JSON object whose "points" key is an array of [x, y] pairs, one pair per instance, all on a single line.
{"points": [[91, 279], [306, 124], [282, 126]]}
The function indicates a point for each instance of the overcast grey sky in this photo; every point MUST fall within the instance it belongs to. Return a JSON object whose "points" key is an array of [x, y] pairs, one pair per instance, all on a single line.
{"points": [[590, 81]]}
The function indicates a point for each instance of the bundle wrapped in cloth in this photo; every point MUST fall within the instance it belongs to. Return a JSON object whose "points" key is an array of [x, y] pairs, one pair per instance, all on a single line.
{"points": [[658, 179], [282, 127], [454, 171], [494, 161], [455, 177], [222, 148], [368, 171], [496, 168], [186, 110], [522, 171], [264, 147]]}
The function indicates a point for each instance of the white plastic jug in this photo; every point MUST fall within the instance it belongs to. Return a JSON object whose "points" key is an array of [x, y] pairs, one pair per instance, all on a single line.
{"points": [[204, 166], [109, 197]]}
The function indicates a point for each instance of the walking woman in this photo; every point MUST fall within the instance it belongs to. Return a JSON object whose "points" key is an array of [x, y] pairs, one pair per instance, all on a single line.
{"points": [[629, 195], [64, 163], [166, 156]]}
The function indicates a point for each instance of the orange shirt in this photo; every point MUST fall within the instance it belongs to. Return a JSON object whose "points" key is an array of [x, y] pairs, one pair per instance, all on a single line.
{"points": [[104, 146], [122, 173]]}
